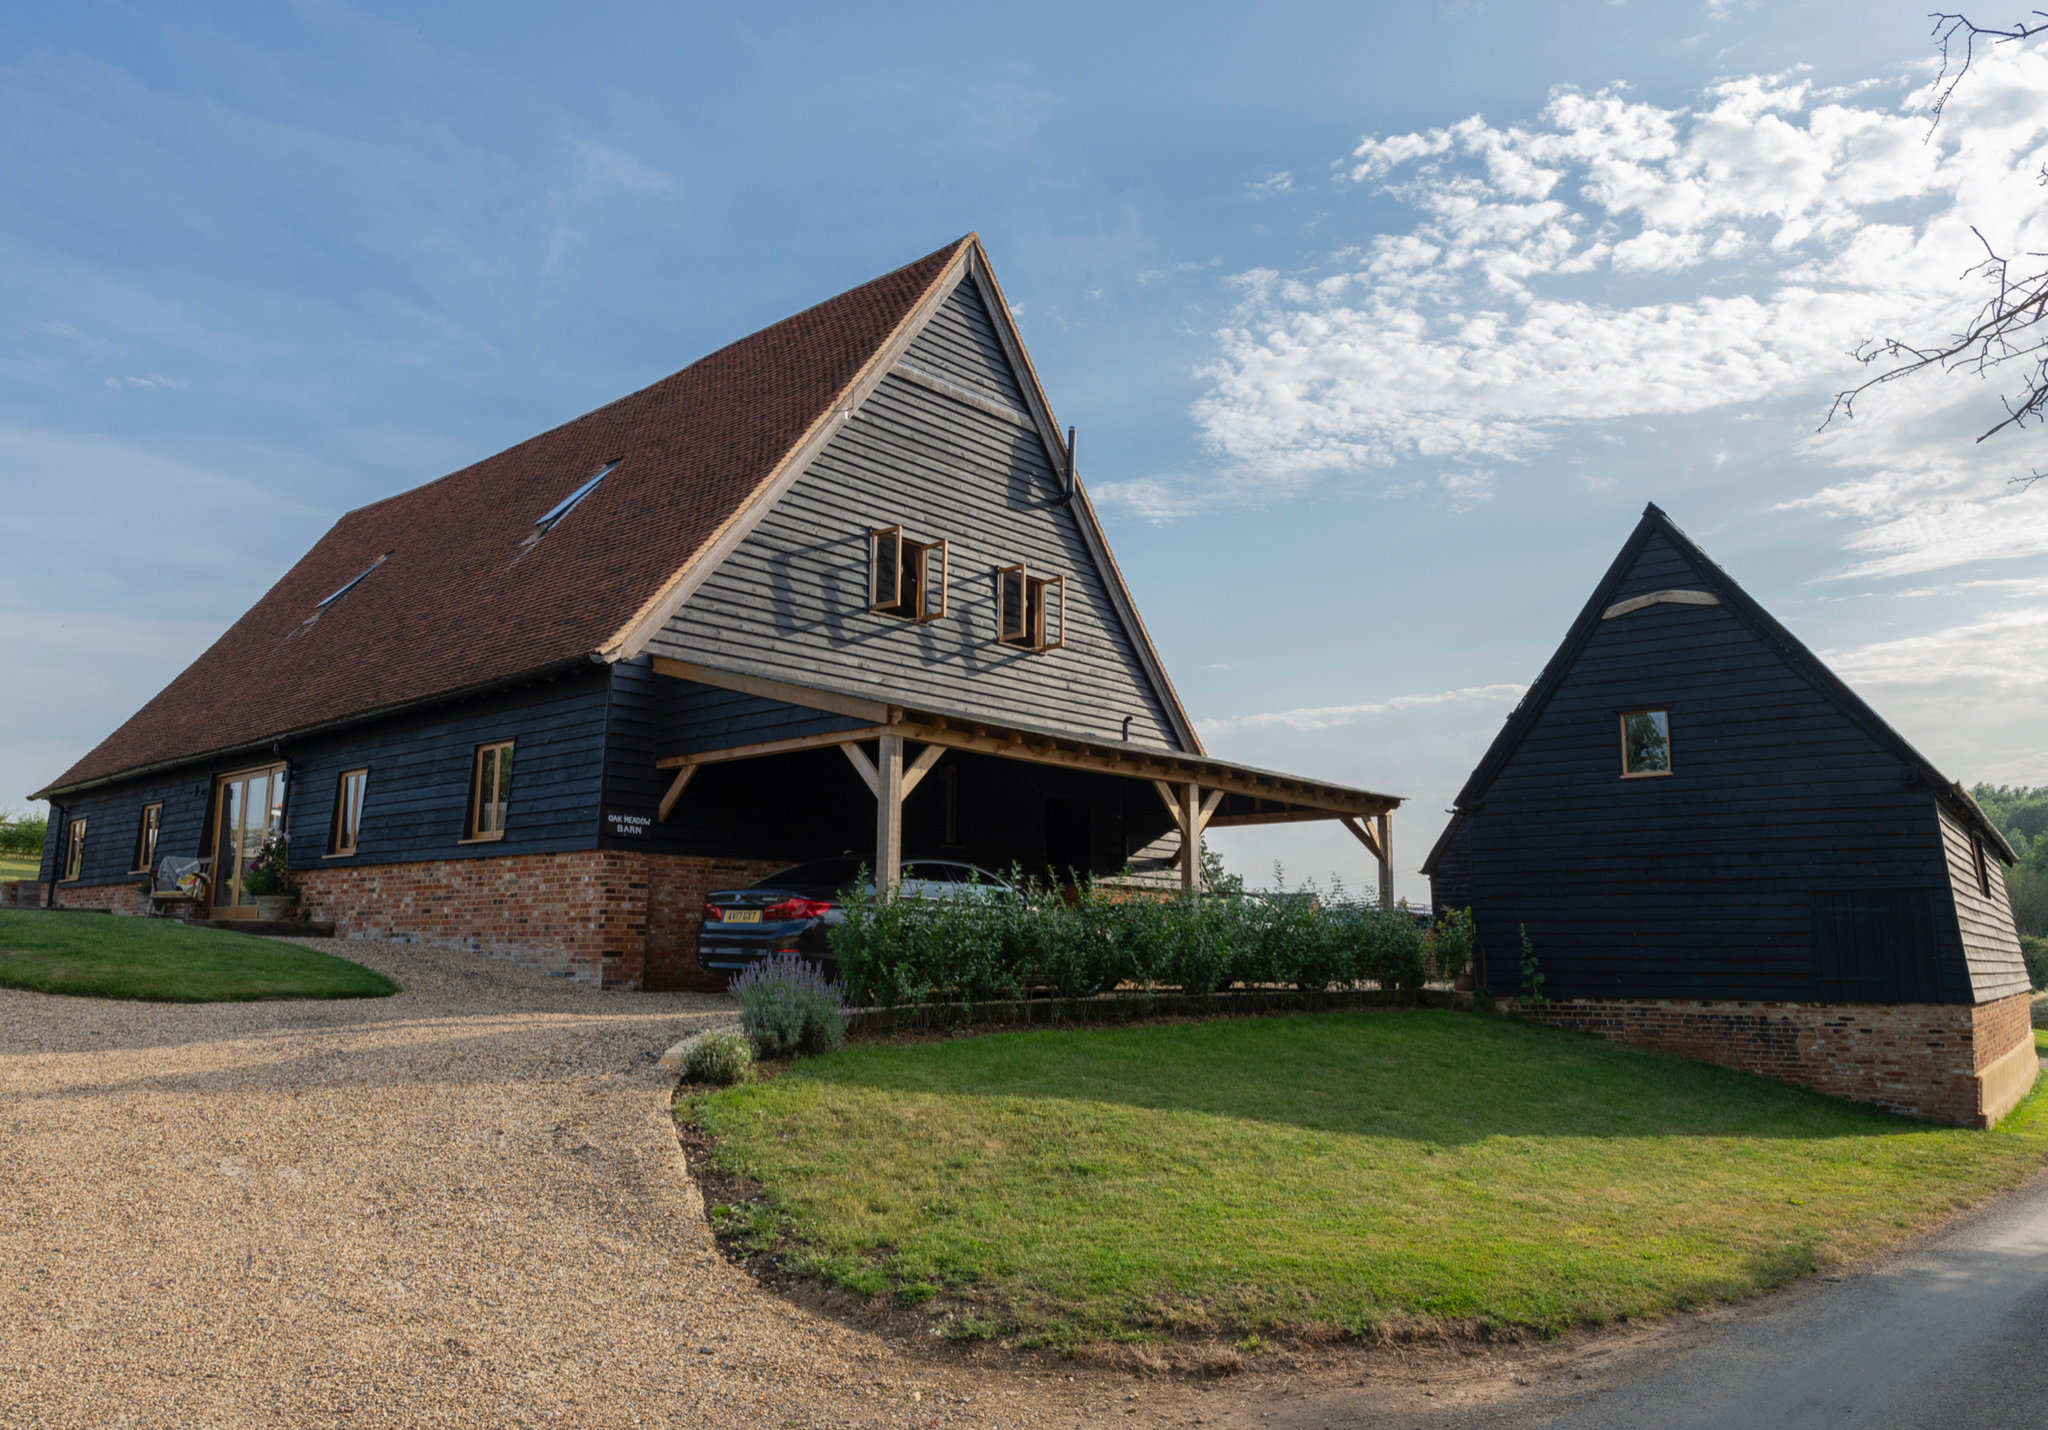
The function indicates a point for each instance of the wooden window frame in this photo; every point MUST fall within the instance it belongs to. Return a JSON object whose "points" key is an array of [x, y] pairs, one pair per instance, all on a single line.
{"points": [[1981, 858], [1670, 765], [1024, 629], [73, 867], [899, 575], [147, 829], [339, 824], [474, 832]]}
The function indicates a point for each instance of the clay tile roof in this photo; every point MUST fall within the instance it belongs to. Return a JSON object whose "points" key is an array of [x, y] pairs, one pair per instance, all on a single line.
{"points": [[457, 607]]}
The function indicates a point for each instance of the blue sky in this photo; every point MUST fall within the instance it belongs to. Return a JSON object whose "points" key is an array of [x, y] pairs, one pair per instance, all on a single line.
{"points": [[1380, 323]]}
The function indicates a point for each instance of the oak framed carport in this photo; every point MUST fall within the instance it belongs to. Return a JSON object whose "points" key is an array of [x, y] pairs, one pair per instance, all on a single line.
{"points": [[909, 741]]}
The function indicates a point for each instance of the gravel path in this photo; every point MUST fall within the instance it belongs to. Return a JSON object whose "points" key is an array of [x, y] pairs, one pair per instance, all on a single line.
{"points": [[460, 1206]]}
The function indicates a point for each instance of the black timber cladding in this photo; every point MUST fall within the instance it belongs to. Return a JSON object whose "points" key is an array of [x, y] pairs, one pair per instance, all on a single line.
{"points": [[416, 798], [1793, 816], [791, 602]]}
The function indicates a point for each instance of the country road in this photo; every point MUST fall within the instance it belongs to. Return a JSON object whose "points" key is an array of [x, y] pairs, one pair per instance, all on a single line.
{"points": [[1949, 1334]]}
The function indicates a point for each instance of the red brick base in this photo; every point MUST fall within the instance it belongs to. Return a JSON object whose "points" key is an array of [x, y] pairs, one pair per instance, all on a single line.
{"points": [[1947, 1062], [123, 898], [616, 919]]}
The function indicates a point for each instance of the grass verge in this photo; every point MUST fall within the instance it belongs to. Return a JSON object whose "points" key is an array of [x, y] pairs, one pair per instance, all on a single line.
{"points": [[1325, 1174], [13, 866], [160, 960]]}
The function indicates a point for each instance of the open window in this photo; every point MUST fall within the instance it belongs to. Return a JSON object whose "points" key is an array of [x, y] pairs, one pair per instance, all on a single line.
{"points": [[348, 812], [490, 791], [1645, 743], [567, 504], [145, 838], [1031, 611], [906, 579], [74, 850]]}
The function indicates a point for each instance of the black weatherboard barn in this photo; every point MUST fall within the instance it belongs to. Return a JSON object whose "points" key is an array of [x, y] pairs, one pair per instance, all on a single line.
{"points": [[836, 587], [1712, 843]]}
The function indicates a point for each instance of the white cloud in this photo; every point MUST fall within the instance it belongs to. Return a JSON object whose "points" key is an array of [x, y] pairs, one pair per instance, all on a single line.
{"points": [[1758, 237], [1328, 716], [2005, 652]]}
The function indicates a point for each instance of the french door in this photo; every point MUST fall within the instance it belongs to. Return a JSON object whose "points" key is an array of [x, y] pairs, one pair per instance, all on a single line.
{"points": [[246, 806]]}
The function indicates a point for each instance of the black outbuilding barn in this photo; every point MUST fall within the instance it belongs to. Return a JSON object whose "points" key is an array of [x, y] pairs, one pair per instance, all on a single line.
{"points": [[1715, 846]]}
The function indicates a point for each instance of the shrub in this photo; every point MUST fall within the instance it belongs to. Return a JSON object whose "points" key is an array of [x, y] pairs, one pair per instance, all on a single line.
{"points": [[721, 1056], [1450, 943], [787, 1006], [1003, 943]]}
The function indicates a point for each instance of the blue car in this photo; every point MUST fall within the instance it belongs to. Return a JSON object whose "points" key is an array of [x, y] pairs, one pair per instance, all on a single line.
{"points": [[794, 911]]}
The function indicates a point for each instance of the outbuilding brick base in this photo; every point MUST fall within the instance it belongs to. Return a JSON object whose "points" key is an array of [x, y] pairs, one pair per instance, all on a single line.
{"points": [[1946, 1062], [607, 917]]}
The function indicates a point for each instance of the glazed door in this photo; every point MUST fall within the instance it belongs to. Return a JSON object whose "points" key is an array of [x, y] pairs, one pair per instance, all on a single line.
{"points": [[246, 806]]}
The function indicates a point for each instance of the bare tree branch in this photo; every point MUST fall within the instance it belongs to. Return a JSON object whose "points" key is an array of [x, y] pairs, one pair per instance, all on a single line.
{"points": [[1949, 29], [2005, 329]]}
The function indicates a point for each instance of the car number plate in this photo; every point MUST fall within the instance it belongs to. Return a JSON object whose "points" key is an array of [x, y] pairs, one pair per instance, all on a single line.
{"points": [[741, 916]]}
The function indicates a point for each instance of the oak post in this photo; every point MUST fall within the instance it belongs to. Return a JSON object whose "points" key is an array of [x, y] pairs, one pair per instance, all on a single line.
{"points": [[1384, 826], [1190, 838], [889, 812]]}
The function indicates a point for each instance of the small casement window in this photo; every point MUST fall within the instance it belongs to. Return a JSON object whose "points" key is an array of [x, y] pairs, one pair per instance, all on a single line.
{"points": [[1645, 743], [74, 849], [1983, 863], [1031, 611], [348, 811], [490, 790], [906, 579], [145, 837]]}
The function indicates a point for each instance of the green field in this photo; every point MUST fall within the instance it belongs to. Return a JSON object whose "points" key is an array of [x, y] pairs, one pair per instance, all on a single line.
{"points": [[161, 960], [22, 866], [1335, 1172]]}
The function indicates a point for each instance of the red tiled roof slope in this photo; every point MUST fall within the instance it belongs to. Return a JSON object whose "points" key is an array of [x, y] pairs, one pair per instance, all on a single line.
{"points": [[456, 606]]}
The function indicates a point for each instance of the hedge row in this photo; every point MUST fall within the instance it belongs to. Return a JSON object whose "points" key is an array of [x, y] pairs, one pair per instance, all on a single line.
{"points": [[992, 944]]}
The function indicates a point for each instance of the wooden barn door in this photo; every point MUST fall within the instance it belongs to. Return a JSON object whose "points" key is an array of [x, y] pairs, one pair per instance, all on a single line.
{"points": [[1875, 945]]}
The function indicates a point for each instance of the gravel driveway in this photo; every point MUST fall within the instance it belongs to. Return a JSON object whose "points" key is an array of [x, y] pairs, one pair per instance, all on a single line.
{"points": [[460, 1206]]}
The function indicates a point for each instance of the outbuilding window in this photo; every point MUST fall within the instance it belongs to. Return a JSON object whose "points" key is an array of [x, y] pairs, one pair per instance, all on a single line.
{"points": [[1645, 743], [490, 790], [74, 849], [348, 812], [1983, 863], [145, 837], [1031, 611], [906, 579]]}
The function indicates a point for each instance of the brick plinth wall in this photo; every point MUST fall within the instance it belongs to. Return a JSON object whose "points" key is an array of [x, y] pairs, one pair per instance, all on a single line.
{"points": [[1959, 1063], [125, 897], [601, 916]]}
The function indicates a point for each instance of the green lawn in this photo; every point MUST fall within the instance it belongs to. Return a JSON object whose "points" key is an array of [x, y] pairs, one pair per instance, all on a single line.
{"points": [[1341, 1170], [160, 960], [19, 866]]}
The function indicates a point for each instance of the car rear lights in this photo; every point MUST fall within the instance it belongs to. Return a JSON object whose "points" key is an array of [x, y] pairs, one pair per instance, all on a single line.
{"points": [[713, 913], [789, 910]]}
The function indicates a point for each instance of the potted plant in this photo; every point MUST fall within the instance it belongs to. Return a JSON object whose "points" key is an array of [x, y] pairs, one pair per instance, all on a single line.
{"points": [[268, 879]]}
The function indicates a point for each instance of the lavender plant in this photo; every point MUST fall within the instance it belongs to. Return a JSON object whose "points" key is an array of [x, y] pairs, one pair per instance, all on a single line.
{"points": [[788, 1006]]}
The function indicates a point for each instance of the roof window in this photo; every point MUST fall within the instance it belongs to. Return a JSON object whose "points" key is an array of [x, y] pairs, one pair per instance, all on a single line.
{"points": [[351, 584], [321, 609], [567, 504]]}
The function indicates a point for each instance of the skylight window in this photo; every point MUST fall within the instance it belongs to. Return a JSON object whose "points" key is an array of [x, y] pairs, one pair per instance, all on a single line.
{"points": [[567, 504], [351, 585]]}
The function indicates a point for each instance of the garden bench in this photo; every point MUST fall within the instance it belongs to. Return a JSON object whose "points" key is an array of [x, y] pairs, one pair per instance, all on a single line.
{"points": [[179, 882]]}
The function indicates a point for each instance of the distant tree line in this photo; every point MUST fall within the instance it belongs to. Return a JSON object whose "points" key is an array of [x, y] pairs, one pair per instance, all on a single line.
{"points": [[22, 833], [2021, 814]]}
